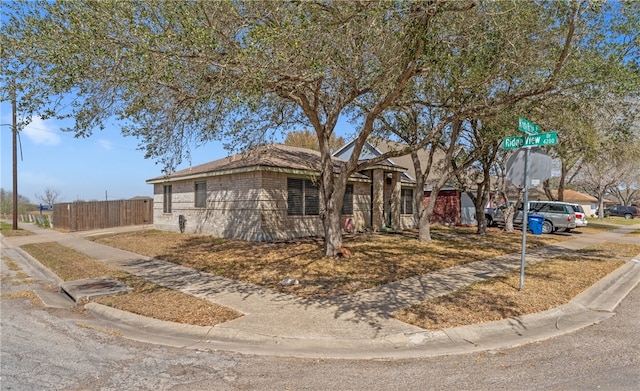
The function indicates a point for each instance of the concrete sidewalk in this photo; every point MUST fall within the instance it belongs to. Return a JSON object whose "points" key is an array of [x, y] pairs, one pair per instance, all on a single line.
{"points": [[354, 326]]}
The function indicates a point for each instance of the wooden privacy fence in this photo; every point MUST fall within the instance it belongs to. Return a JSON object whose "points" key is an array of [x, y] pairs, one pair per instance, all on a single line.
{"points": [[84, 216]]}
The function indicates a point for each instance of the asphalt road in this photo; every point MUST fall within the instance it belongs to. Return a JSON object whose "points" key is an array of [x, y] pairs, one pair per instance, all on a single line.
{"points": [[52, 349]]}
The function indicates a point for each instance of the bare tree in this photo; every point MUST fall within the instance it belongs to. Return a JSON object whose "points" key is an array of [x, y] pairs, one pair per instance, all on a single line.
{"points": [[307, 139], [49, 196]]}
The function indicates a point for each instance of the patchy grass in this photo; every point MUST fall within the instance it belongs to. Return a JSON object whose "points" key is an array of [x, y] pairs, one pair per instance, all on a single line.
{"points": [[377, 259], [634, 233], [24, 295], [547, 285], [614, 220], [595, 227], [7, 230], [11, 264], [147, 299], [19, 277], [67, 263]]}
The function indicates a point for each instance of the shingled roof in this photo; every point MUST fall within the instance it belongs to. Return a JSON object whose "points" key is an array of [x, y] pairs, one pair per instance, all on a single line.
{"points": [[267, 157]]}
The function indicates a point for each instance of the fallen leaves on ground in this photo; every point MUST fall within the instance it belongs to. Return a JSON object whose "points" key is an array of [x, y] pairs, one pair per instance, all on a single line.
{"points": [[377, 259]]}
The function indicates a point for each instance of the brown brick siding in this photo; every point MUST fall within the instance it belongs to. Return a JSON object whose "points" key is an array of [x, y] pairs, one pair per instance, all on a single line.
{"points": [[249, 206]]}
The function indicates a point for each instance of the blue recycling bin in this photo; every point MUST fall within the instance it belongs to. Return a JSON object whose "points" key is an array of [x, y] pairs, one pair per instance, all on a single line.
{"points": [[535, 223]]}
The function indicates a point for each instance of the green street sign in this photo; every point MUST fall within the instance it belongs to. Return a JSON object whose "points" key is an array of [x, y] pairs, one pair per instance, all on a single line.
{"points": [[542, 139], [538, 140], [527, 126], [512, 142]]}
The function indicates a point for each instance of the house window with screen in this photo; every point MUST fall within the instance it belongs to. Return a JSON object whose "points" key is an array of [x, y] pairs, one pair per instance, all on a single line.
{"points": [[406, 201], [166, 199], [201, 194], [347, 204], [302, 197]]}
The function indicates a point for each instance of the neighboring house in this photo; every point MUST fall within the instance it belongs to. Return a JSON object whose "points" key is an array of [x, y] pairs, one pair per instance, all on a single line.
{"points": [[270, 193], [452, 205], [588, 203]]}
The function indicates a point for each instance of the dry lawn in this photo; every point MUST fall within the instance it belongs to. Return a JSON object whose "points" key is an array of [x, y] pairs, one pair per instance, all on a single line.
{"points": [[547, 285], [7, 230], [147, 299], [377, 259]]}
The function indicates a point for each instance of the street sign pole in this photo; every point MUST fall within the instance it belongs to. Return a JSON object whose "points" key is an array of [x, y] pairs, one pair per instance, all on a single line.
{"points": [[533, 138], [525, 216]]}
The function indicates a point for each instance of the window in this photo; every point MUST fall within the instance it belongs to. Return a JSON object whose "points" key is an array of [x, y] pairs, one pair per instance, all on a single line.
{"points": [[302, 197], [166, 199], [406, 202], [201, 194], [347, 202], [557, 208], [311, 198]]}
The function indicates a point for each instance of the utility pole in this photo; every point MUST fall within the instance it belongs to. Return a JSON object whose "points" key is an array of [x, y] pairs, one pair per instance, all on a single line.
{"points": [[15, 158]]}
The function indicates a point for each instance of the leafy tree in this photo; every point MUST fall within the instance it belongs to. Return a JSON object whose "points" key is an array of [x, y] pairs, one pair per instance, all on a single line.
{"points": [[182, 71], [486, 63], [608, 76], [6, 203], [176, 73], [627, 190], [484, 141], [614, 168]]}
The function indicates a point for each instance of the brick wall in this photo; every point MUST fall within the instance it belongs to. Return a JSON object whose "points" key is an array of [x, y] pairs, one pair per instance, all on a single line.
{"points": [[249, 206]]}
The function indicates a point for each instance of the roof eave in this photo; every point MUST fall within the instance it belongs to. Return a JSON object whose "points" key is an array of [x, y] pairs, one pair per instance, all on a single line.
{"points": [[210, 174]]}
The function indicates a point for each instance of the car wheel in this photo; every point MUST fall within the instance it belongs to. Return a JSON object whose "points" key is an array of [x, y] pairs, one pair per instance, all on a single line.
{"points": [[547, 227], [628, 216]]}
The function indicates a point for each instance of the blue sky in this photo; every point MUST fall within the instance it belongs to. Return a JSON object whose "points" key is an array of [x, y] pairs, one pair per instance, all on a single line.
{"points": [[104, 166]]}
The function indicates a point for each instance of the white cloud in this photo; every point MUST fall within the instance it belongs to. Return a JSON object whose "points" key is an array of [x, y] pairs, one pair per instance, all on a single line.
{"points": [[41, 133], [106, 144]]}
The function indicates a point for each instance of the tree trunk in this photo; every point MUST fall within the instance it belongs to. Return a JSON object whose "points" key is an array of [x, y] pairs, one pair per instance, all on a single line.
{"points": [[600, 205], [418, 196], [331, 192], [424, 232], [481, 200], [480, 217], [561, 182], [332, 233], [510, 212]]}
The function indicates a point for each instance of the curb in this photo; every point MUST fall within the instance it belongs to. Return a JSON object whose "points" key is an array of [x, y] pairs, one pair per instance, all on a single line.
{"points": [[590, 307], [606, 294], [595, 304]]}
